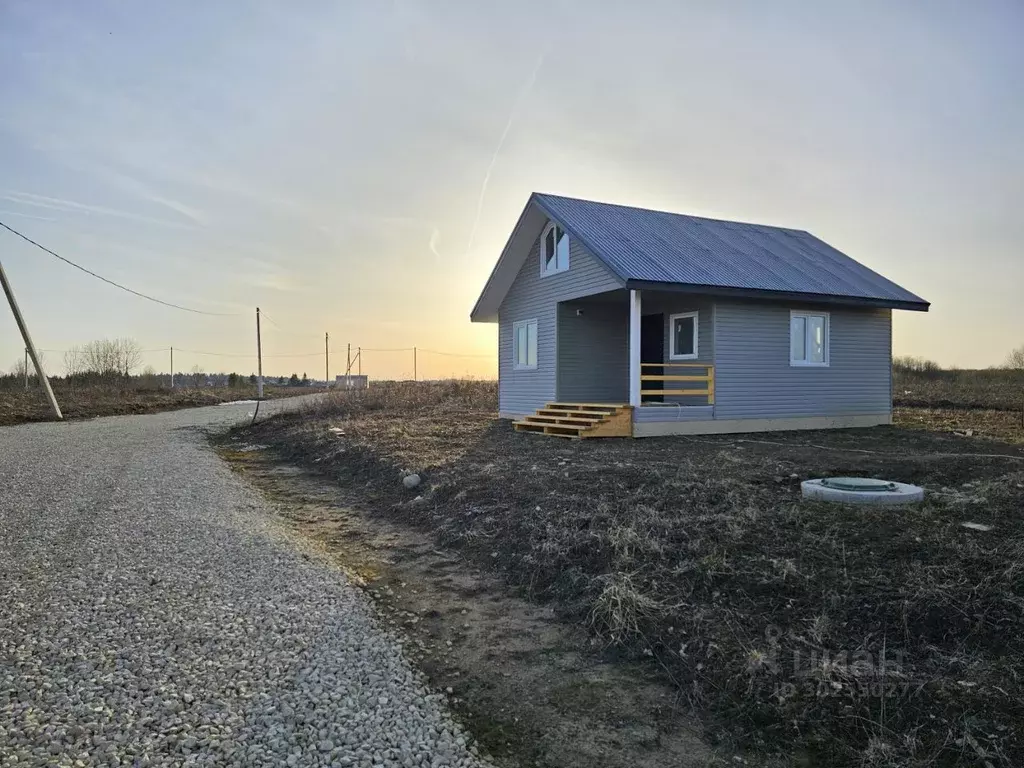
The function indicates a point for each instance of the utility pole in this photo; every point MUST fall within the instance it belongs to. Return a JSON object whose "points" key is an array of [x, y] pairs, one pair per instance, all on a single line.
{"points": [[327, 359], [28, 343], [26, 369], [414, 364], [359, 359], [348, 365], [259, 359], [172, 367]]}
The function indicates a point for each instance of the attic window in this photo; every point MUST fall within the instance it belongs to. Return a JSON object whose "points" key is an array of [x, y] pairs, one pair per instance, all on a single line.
{"points": [[554, 250]]}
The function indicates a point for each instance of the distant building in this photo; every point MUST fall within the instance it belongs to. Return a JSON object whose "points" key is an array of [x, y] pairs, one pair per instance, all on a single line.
{"points": [[352, 381]]}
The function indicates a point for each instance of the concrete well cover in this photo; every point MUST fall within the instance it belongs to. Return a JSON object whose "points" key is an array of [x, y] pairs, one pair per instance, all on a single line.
{"points": [[861, 490]]}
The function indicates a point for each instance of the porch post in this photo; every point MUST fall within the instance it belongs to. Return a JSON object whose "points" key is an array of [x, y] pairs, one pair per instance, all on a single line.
{"points": [[634, 348]]}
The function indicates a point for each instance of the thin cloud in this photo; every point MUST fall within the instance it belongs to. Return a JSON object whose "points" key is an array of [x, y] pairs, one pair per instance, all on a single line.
{"points": [[524, 94], [144, 192], [276, 282], [4, 212], [435, 235], [71, 206]]}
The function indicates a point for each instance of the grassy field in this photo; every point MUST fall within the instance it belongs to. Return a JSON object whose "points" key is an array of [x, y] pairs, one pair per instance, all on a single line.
{"points": [[824, 635], [18, 406], [996, 389]]}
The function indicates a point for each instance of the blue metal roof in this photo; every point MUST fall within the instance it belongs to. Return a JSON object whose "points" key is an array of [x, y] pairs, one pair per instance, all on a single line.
{"points": [[644, 246]]}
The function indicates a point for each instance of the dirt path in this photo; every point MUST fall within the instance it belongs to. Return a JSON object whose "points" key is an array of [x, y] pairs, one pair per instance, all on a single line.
{"points": [[526, 685]]}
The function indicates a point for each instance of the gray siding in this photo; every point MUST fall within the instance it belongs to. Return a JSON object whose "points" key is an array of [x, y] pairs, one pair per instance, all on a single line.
{"points": [[673, 304], [754, 379], [593, 352], [660, 413], [532, 296]]}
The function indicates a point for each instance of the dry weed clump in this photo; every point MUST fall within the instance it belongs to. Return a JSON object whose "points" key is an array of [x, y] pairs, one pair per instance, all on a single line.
{"points": [[400, 398], [831, 635]]}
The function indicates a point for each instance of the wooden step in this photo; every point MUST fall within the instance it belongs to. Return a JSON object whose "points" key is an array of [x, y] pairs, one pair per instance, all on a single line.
{"points": [[588, 407], [562, 421], [591, 416], [555, 430], [560, 430], [579, 420], [526, 426]]}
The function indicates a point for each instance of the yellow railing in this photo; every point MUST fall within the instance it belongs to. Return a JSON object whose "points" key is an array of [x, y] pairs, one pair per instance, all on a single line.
{"points": [[708, 377]]}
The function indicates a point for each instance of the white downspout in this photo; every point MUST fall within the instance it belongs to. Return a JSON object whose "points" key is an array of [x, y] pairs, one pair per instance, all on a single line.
{"points": [[634, 348]]}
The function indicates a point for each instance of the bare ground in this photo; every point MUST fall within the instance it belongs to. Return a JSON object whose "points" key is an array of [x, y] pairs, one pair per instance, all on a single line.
{"points": [[530, 687], [805, 633]]}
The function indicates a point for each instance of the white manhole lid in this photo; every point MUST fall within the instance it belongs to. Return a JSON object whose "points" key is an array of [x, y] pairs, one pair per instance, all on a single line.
{"points": [[861, 490]]}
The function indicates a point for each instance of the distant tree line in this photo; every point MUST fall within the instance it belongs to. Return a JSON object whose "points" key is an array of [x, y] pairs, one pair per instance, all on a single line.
{"points": [[115, 363], [908, 364]]}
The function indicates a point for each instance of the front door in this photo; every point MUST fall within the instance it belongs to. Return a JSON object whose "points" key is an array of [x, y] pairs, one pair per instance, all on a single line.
{"points": [[652, 350]]}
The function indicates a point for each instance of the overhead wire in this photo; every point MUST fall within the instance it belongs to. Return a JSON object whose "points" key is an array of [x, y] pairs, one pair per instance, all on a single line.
{"points": [[112, 282], [183, 308], [249, 355], [450, 354]]}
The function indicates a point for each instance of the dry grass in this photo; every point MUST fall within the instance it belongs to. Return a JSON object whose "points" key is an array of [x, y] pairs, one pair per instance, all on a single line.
{"points": [[996, 389], [18, 406], [828, 635]]}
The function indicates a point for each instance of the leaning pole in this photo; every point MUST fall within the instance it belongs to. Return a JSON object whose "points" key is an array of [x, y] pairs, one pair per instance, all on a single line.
{"points": [[28, 343]]}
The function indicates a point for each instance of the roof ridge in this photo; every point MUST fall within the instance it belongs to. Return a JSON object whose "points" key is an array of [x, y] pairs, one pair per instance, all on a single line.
{"points": [[690, 216]]}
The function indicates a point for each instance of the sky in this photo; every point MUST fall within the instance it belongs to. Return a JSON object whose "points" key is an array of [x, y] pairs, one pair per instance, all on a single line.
{"points": [[354, 167]]}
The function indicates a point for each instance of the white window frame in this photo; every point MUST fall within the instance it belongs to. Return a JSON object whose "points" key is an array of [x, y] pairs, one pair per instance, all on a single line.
{"points": [[544, 269], [672, 354], [827, 323], [527, 366]]}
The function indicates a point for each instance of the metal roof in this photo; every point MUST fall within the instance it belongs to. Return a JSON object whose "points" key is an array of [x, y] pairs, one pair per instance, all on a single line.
{"points": [[654, 247]]}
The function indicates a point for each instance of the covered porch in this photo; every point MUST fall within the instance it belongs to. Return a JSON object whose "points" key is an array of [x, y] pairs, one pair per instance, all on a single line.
{"points": [[651, 350], [648, 354]]}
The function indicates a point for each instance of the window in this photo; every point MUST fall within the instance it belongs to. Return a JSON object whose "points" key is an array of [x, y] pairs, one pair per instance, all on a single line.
{"points": [[524, 345], [808, 338], [682, 331], [554, 250]]}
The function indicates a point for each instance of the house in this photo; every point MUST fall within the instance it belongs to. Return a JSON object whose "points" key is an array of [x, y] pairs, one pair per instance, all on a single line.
{"points": [[624, 321]]}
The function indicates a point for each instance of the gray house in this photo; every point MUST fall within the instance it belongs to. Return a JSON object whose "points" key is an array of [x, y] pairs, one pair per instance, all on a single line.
{"points": [[624, 321]]}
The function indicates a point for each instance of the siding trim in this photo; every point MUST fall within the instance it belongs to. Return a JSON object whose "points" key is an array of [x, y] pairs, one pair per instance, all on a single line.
{"points": [[732, 426]]}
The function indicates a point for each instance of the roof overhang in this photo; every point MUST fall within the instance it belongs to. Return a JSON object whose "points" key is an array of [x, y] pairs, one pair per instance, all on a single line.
{"points": [[752, 293]]}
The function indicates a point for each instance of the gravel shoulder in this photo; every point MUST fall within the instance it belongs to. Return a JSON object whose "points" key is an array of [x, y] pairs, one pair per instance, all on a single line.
{"points": [[152, 613]]}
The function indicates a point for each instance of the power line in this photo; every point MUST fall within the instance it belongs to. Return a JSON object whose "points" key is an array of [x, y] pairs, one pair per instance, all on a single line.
{"points": [[111, 282], [273, 322], [237, 354], [159, 349], [450, 354]]}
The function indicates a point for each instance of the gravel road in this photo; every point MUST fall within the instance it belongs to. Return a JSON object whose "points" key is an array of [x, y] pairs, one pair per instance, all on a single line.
{"points": [[151, 614]]}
